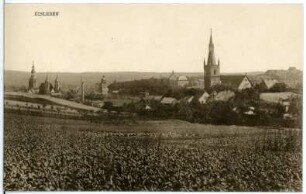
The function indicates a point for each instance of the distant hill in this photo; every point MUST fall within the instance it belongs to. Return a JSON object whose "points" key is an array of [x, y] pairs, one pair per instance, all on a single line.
{"points": [[16, 79], [72, 80], [291, 77]]}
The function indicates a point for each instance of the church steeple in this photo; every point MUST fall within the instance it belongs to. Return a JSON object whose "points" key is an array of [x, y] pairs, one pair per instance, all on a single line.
{"points": [[33, 68], [211, 39], [56, 84], [211, 54], [32, 80], [211, 68]]}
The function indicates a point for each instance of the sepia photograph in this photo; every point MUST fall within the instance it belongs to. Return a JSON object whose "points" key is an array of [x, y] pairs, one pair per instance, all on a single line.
{"points": [[153, 97]]}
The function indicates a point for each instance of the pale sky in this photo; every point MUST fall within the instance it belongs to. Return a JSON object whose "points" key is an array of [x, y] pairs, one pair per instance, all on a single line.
{"points": [[152, 37]]}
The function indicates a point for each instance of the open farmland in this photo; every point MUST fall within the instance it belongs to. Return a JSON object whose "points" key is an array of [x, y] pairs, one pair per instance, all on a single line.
{"points": [[56, 154]]}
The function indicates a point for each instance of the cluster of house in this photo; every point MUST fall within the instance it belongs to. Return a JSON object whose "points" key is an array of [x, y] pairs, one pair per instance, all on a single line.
{"points": [[282, 98], [235, 82]]}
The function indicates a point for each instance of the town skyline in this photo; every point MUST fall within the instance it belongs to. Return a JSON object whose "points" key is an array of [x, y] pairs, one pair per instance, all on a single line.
{"points": [[247, 38], [162, 72]]}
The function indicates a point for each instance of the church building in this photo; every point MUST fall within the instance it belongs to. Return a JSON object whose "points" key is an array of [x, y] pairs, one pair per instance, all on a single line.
{"points": [[239, 82], [211, 68], [103, 89], [57, 88], [32, 81], [46, 87], [212, 75]]}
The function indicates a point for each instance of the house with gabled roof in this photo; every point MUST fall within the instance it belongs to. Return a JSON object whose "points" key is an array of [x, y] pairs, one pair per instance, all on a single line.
{"points": [[264, 80], [176, 80], [241, 82], [168, 100], [203, 98], [236, 82], [276, 97], [224, 96], [182, 81], [269, 83]]}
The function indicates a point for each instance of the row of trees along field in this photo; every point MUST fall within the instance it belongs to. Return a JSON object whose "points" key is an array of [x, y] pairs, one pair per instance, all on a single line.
{"points": [[154, 86]]}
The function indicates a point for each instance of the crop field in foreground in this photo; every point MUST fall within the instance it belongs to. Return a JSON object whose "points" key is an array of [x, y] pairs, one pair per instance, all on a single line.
{"points": [[54, 154]]}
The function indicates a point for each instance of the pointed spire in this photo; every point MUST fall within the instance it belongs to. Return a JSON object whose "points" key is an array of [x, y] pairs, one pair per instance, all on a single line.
{"points": [[56, 78], [211, 54], [33, 68], [211, 39], [47, 77]]}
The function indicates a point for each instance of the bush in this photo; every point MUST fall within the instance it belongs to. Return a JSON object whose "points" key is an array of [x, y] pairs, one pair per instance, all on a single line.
{"points": [[220, 112], [278, 87], [218, 88]]}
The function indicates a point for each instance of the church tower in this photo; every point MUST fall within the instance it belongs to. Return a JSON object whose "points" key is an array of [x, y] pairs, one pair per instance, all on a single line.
{"points": [[47, 85], [103, 86], [56, 85], [32, 80], [211, 68]]}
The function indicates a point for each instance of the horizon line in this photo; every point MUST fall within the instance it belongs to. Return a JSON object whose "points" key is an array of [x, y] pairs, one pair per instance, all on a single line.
{"points": [[148, 71]]}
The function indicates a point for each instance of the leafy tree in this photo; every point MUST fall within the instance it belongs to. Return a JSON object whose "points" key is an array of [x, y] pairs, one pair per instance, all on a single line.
{"points": [[296, 106], [248, 94], [94, 96], [180, 93], [218, 88], [279, 111], [108, 105], [70, 94], [296, 109], [245, 99], [278, 87], [185, 112], [220, 112], [261, 87]]}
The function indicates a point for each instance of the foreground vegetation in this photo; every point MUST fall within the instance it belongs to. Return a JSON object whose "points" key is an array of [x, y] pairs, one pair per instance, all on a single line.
{"points": [[54, 154]]}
